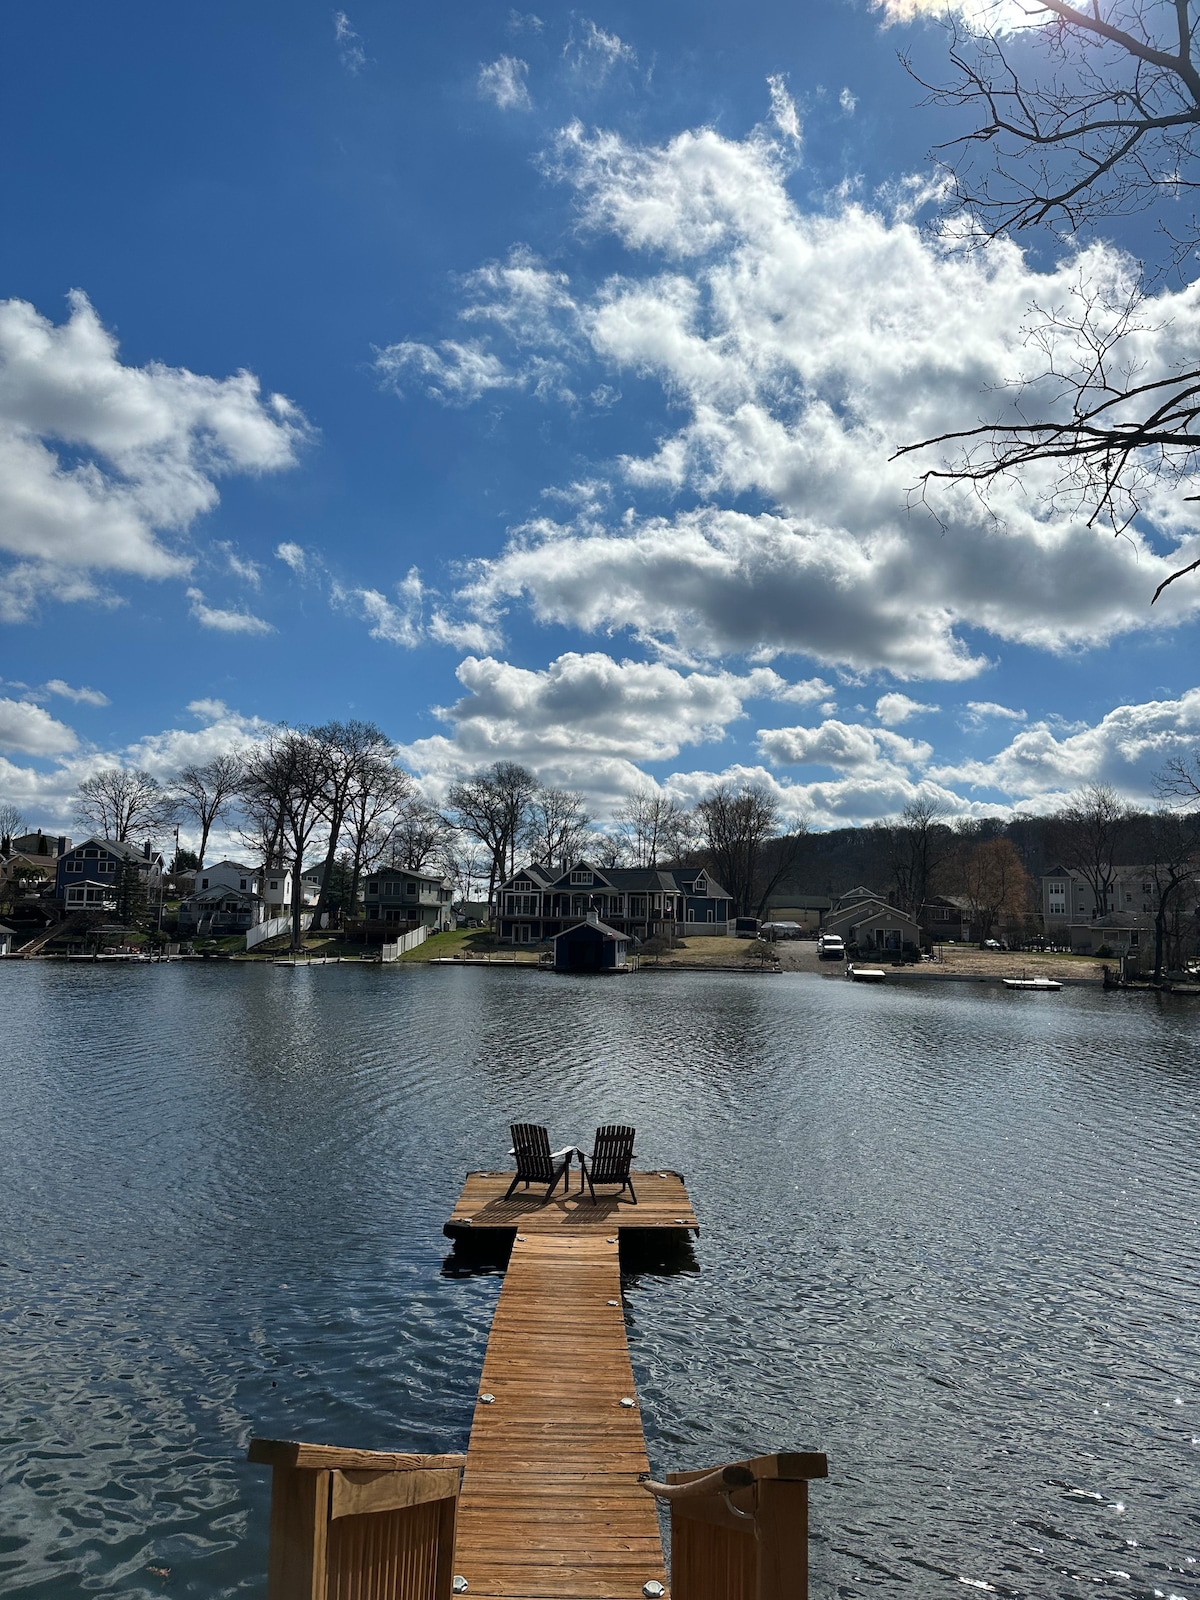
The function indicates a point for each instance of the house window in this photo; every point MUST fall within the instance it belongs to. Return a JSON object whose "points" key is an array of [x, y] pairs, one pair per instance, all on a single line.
{"points": [[1146, 888], [204, 883], [522, 883], [581, 877], [712, 915], [372, 887], [92, 855], [274, 883], [242, 884], [1133, 938], [691, 913], [410, 888], [74, 866]]}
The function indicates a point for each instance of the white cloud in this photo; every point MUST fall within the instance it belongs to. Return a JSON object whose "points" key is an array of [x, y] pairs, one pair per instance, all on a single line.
{"points": [[892, 709], [981, 711], [801, 350], [809, 691], [87, 697], [292, 555], [783, 111], [996, 16], [585, 720], [400, 623], [1126, 748], [524, 22], [846, 746], [225, 621], [456, 372], [101, 463], [503, 82], [27, 729], [248, 571], [350, 47], [848, 102], [593, 53]]}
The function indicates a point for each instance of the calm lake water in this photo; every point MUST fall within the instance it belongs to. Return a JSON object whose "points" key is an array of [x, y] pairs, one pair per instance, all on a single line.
{"points": [[951, 1236]]}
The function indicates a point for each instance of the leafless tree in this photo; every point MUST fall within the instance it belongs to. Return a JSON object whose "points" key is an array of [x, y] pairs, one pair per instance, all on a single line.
{"points": [[653, 823], [916, 847], [12, 821], [421, 838], [1088, 833], [557, 826], [118, 801], [284, 785], [206, 793], [376, 799], [1175, 848], [737, 825], [354, 756], [492, 807], [610, 850], [1086, 115]]}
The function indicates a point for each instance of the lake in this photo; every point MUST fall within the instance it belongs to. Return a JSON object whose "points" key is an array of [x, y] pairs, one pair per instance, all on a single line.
{"points": [[951, 1236]]}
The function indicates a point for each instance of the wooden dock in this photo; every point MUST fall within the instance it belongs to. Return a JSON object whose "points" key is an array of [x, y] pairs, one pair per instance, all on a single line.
{"points": [[663, 1203], [551, 1506]]}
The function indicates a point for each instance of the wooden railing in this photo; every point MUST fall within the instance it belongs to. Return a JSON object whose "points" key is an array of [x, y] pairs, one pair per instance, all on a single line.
{"points": [[740, 1532], [359, 1524]]}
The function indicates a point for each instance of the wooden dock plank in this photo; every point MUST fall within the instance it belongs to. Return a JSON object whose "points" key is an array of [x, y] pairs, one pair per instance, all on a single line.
{"points": [[551, 1508], [663, 1202]]}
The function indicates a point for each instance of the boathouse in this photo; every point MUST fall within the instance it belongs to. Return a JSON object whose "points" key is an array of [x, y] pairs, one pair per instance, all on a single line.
{"points": [[591, 946]]}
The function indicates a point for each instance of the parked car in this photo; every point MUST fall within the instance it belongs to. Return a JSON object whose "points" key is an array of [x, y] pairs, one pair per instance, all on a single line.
{"points": [[830, 947], [745, 928], [780, 930]]}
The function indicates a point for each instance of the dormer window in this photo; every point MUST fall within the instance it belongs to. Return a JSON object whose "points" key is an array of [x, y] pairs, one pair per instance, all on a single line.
{"points": [[522, 883], [581, 875], [700, 886]]}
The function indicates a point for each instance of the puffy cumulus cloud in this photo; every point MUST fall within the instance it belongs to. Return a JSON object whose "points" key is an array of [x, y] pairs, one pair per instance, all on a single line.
{"points": [[1126, 749], [225, 621], [100, 461], [26, 729], [46, 793], [585, 720], [851, 801], [801, 350], [293, 556], [892, 709], [845, 746], [503, 83]]}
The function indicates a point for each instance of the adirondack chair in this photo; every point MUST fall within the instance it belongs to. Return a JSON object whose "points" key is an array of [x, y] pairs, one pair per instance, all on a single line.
{"points": [[609, 1161], [536, 1162]]}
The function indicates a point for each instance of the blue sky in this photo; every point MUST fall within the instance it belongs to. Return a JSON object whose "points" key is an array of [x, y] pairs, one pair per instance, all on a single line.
{"points": [[525, 381]]}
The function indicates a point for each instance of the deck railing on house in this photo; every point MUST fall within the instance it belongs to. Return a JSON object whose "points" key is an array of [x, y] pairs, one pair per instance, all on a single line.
{"points": [[740, 1532], [359, 1524]]}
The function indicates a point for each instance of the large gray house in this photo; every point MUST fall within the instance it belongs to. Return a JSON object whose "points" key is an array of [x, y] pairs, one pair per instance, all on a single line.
{"points": [[539, 902]]}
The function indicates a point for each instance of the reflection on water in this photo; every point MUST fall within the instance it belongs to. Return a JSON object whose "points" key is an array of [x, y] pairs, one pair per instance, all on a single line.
{"points": [[950, 1236]]}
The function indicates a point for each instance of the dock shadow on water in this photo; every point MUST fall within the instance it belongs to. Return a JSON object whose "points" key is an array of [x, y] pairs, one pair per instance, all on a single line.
{"points": [[949, 1239]]}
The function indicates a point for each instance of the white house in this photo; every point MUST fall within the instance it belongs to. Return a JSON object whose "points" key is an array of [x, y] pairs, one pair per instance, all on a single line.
{"points": [[273, 886]]}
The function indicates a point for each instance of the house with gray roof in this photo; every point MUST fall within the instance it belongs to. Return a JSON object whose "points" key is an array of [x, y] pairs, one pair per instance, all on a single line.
{"points": [[540, 902]]}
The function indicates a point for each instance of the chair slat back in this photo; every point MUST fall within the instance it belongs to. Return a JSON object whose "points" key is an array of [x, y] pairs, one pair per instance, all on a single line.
{"points": [[612, 1153], [531, 1145]]}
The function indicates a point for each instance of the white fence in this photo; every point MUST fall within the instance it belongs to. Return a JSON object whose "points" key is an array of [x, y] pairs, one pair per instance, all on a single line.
{"points": [[410, 941], [273, 927]]}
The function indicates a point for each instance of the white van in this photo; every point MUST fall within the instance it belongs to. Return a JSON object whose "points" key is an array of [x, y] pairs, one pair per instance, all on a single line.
{"points": [[830, 947]]}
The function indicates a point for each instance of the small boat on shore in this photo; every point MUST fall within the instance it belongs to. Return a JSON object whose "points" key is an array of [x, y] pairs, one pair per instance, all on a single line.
{"points": [[865, 974], [1045, 985]]}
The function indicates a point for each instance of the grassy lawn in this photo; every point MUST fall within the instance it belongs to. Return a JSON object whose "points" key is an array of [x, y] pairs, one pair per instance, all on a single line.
{"points": [[475, 942], [1017, 963], [713, 950]]}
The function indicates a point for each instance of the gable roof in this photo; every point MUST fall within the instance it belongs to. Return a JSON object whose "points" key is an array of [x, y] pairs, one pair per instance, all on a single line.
{"points": [[118, 847], [601, 928]]}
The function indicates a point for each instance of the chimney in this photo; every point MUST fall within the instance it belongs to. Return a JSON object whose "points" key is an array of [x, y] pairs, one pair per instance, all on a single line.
{"points": [[62, 844], [146, 849]]}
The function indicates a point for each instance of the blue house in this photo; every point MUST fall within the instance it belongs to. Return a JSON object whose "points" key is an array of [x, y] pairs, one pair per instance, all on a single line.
{"points": [[639, 902], [590, 946], [88, 877]]}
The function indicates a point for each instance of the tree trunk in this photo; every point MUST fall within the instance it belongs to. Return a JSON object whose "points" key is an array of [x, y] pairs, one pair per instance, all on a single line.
{"points": [[297, 903]]}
